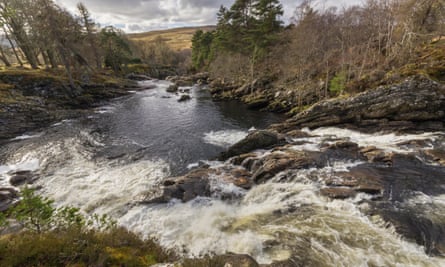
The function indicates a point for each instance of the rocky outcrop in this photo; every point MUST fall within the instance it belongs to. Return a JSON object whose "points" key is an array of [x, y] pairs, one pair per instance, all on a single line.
{"points": [[33, 99], [8, 196], [255, 140], [415, 104]]}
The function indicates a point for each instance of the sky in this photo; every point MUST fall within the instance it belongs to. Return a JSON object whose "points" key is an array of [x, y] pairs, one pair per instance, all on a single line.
{"points": [[147, 15]]}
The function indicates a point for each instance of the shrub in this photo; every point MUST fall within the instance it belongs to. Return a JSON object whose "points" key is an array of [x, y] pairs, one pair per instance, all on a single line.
{"points": [[338, 83], [65, 237]]}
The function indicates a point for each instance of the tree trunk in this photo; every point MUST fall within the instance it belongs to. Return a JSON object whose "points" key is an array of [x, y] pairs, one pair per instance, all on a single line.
{"points": [[12, 47], [4, 58], [52, 58]]}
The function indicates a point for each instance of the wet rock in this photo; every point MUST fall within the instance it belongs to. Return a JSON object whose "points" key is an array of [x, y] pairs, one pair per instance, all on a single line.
{"points": [[173, 88], [374, 154], [255, 140], [227, 260], [7, 197], [238, 160], [297, 134], [437, 155], [242, 178], [363, 179], [185, 188], [338, 192], [422, 230], [22, 177], [279, 161], [183, 98]]}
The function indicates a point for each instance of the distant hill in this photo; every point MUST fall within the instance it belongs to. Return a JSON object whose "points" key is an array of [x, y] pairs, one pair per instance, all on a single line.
{"points": [[177, 39]]}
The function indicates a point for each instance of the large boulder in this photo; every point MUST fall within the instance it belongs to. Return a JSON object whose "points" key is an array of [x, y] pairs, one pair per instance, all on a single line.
{"points": [[255, 140], [185, 188], [173, 88]]}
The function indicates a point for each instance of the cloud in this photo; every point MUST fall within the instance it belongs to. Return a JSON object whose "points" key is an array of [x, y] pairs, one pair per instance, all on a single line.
{"points": [[145, 15]]}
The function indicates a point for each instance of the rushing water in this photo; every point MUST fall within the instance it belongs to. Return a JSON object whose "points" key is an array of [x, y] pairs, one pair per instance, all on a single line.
{"points": [[108, 162]]}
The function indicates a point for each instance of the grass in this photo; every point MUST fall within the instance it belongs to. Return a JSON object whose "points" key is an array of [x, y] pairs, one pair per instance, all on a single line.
{"points": [[178, 39], [71, 247]]}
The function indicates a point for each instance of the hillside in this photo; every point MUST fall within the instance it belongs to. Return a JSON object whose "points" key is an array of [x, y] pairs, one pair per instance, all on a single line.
{"points": [[177, 38]]}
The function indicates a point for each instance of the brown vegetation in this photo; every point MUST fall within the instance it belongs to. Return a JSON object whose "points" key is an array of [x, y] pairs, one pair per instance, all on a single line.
{"points": [[330, 52], [177, 39]]}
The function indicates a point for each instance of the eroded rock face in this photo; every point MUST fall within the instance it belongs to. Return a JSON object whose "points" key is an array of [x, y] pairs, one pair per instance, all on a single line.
{"points": [[416, 104]]}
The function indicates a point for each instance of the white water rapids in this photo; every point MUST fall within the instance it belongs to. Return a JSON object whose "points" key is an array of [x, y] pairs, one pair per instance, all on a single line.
{"points": [[271, 222], [110, 161]]}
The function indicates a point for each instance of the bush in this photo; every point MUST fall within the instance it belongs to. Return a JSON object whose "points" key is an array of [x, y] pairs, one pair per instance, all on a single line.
{"points": [[338, 83], [65, 237]]}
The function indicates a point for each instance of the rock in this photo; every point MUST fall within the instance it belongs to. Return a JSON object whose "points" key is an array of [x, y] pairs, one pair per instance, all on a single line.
{"points": [[297, 134], [279, 161], [242, 178], [338, 192], [173, 88], [138, 77], [185, 188], [238, 160], [22, 177], [184, 82], [377, 155], [418, 103], [362, 179], [183, 98], [255, 140], [226, 260], [437, 155], [257, 103], [7, 198]]}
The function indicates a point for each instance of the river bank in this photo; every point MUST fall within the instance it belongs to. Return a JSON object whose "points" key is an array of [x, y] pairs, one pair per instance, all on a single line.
{"points": [[32, 99]]}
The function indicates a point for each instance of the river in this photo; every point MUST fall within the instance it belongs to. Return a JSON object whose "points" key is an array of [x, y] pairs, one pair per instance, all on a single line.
{"points": [[109, 161]]}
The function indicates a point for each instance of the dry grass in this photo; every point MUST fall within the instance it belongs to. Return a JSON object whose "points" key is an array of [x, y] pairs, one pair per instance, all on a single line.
{"points": [[178, 39]]}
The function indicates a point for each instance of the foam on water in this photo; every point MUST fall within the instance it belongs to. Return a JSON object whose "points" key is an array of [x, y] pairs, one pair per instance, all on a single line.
{"points": [[69, 175], [388, 142], [275, 220], [26, 136], [224, 138]]}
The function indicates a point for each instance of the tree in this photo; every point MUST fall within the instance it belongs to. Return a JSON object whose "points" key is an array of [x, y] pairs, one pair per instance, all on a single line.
{"points": [[89, 28], [34, 212], [117, 51], [202, 48]]}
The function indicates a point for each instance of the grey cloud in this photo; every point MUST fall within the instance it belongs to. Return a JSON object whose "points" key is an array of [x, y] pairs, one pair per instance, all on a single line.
{"points": [[143, 15]]}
